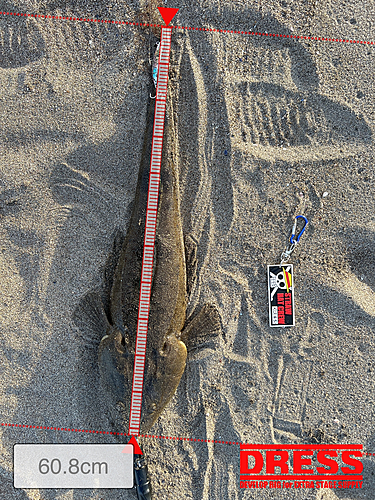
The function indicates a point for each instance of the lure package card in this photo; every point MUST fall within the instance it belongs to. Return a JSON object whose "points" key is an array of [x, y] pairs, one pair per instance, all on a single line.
{"points": [[281, 295]]}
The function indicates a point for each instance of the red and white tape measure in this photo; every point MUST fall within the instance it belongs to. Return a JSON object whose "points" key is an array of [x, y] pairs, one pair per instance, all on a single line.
{"points": [[150, 232]]}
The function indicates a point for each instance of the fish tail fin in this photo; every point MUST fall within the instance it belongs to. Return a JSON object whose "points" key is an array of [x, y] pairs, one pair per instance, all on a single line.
{"points": [[201, 328], [89, 316]]}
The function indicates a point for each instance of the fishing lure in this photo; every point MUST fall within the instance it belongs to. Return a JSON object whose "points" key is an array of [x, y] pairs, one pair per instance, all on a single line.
{"points": [[154, 66], [280, 283]]}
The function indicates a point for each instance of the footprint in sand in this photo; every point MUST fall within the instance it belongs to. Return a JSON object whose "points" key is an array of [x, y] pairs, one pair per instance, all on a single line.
{"points": [[263, 122], [21, 41]]}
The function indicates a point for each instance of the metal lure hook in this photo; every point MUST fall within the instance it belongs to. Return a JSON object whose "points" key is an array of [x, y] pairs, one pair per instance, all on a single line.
{"points": [[154, 67]]}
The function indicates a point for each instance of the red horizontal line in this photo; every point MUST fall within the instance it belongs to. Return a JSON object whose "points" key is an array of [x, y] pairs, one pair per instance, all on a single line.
{"points": [[237, 32], [301, 446], [171, 438], [287, 477], [88, 431]]}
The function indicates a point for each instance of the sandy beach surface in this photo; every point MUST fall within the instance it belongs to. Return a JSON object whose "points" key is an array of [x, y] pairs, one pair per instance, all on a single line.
{"points": [[264, 129]]}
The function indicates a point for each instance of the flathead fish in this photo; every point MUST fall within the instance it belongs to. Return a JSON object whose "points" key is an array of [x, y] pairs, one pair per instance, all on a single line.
{"points": [[170, 333]]}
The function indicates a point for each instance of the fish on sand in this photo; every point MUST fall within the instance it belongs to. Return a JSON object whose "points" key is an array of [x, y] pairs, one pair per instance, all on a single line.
{"points": [[170, 332]]}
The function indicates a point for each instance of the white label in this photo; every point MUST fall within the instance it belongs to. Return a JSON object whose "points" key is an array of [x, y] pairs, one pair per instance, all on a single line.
{"points": [[73, 466], [274, 315]]}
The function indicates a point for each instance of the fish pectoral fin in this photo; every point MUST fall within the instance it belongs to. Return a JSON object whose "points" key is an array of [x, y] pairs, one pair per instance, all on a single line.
{"points": [[201, 328], [89, 316], [191, 263]]}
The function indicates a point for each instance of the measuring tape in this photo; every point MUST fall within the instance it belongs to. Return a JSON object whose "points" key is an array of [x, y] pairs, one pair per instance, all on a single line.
{"points": [[150, 232]]}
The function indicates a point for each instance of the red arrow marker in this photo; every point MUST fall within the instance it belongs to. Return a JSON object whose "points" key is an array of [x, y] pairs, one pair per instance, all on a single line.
{"points": [[137, 450], [167, 14], [128, 449]]}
